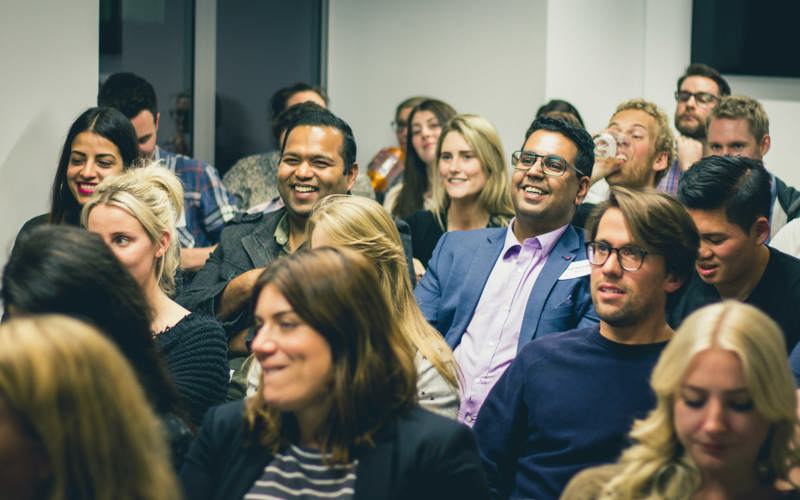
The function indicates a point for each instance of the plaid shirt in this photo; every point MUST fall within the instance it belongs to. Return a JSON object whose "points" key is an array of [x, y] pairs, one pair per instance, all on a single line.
{"points": [[669, 183], [207, 204]]}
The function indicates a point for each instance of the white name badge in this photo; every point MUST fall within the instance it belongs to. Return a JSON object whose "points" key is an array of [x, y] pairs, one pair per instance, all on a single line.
{"points": [[576, 269]]}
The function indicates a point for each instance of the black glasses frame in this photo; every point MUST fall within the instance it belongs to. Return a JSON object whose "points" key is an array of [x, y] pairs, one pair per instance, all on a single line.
{"points": [[701, 97], [552, 162], [639, 254]]}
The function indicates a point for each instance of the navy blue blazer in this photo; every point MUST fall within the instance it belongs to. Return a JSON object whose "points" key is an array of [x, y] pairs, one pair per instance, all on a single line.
{"points": [[417, 455], [460, 267]]}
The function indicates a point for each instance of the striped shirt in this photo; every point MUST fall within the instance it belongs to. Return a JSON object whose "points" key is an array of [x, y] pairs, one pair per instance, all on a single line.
{"points": [[302, 473]]}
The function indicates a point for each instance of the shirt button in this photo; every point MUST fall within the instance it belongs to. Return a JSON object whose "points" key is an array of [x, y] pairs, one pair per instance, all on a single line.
{"points": [[469, 418], [477, 379]]}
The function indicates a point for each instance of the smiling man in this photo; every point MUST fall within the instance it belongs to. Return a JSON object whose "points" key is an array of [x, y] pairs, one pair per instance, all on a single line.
{"points": [[318, 158], [490, 291], [568, 400], [729, 199]]}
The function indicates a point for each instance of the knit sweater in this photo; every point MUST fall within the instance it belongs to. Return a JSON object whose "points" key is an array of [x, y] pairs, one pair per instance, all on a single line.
{"points": [[196, 353]]}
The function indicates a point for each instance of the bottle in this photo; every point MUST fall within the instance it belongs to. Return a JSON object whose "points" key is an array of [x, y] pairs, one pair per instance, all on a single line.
{"points": [[385, 167]]}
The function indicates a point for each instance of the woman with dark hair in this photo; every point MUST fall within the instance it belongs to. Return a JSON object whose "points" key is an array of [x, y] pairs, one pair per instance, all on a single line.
{"points": [[424, 128], [100, 143], [335, 414], [70, 271]]}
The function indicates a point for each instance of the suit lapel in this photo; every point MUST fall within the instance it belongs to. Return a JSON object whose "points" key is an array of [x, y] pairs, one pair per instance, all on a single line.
{"points": [[557, 262], [377, 467], [484, 256], [260, 245]]}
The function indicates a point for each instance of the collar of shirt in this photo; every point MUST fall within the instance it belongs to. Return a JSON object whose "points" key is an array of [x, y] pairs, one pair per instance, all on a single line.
{"points": [[281, 234], [512, 249]]}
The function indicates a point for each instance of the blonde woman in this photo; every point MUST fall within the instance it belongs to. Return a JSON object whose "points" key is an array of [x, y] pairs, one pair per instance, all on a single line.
{"points": [[364, 226], [724, 425], [74, 423], [470, 188], [135, 214]]}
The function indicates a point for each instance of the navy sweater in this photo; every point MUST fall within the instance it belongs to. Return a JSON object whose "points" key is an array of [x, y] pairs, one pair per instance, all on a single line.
{"points": [[566, 403]]}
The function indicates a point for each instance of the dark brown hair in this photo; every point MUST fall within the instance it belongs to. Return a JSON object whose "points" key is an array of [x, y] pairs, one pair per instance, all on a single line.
{"points": [[336, 291]]}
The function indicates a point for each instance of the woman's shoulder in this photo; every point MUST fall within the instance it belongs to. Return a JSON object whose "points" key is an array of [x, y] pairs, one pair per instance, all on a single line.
{"points": [[194, 330], [589, 483]]}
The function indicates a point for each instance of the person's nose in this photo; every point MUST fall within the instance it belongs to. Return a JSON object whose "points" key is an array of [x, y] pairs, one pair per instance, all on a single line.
{"points": [[89, 170], [263, 343], [304, 170], [714, 420], [704, 252], [611, 266]]}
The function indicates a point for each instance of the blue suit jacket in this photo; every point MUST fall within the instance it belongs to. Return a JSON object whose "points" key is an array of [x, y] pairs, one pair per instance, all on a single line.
{"points": [[461, 264]]}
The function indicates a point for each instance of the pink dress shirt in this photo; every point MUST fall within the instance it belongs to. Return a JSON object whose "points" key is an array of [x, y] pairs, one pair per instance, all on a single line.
{"points": [[490, 341]]}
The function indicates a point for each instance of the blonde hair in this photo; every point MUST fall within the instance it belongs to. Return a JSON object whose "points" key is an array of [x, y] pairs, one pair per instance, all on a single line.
{"points": [[482, 137], [739, 107], [658, 467], [79, 396], [363, 225], [154, 196], [665, 140]]}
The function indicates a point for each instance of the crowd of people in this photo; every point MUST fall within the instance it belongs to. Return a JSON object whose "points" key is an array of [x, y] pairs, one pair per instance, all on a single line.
{"points": [[603, 315]]}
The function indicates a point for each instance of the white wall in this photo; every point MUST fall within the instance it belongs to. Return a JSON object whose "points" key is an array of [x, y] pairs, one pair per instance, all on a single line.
{"points": [[49, 55], [504, 59], [484, 58]]}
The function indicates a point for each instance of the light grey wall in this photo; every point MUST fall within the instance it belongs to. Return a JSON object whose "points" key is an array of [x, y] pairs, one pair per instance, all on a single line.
{"points": [[49, 56], [504, 59], [482, 57]]}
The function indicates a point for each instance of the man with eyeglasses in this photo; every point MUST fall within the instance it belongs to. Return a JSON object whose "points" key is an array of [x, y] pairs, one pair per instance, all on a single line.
{"points": [[739, 126], [699, 91], [729, 199], [490, 291], [568, 400]]}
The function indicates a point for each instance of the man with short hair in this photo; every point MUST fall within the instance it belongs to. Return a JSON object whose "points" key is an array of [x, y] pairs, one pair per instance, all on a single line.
{"points": [[252, 180], [318, 158], [699, 90], [646, 149], [490, 291], [739, 126], [567, 402], [207, 204], [728, 198]]}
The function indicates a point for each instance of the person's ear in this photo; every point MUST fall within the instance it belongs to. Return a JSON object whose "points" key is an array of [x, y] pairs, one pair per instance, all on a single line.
{"points": [[661, 162], [760, 229], [583, 189], [672, 283], [163, 244], [351, 176], [764, 145]]}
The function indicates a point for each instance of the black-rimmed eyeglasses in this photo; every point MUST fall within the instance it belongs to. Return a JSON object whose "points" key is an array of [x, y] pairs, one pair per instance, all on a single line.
{"points": [[701, 97], [552, 165], [630, 257]]}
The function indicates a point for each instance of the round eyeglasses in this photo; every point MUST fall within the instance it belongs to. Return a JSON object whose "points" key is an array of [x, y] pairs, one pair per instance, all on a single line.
{"points": [[630, 257]]}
